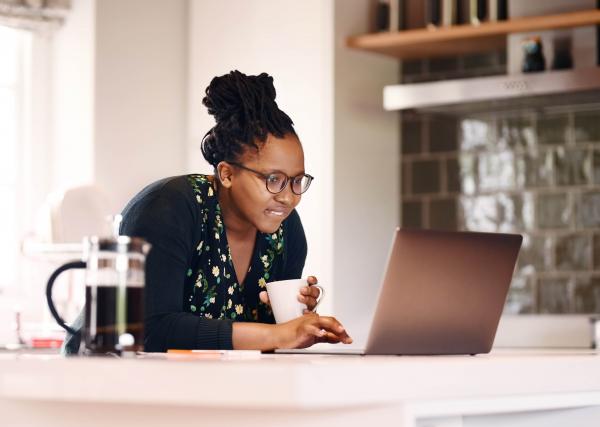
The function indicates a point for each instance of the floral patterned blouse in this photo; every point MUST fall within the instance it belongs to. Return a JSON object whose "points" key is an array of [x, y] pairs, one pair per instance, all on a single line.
{"points": [[212, 288], [192, 292]]}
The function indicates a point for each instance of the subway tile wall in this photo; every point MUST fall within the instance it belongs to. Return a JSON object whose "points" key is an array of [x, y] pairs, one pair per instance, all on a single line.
{"points": [[528, 171]]}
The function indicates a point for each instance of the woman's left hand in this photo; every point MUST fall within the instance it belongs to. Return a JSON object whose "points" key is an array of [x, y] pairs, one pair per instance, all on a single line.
{"points": [[308, 295]]}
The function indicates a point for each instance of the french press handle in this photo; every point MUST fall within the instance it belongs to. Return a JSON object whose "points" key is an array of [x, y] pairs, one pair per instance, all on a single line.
{"points": [[57, 272]]}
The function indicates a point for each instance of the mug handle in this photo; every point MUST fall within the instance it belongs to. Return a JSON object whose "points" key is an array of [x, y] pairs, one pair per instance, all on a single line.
{"points": [[319, 298], [62, 268]]}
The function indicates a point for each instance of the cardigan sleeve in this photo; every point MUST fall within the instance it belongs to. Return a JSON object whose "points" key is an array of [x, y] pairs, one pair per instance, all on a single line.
{"points": [[165, 214]]}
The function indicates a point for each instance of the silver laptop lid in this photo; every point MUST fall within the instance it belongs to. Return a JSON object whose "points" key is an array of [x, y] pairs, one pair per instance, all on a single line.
{"points": [[443, 292]]}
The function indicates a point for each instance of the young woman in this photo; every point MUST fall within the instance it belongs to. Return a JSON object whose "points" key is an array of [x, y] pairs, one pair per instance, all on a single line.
{"points": [[217, 239]]}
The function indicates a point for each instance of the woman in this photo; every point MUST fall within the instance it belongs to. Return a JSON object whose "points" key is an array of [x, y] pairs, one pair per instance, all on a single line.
{"points": [[217, 239]]}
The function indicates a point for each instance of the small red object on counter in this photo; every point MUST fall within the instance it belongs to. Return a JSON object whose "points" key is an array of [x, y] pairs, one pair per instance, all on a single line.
{"points": [[46, 342]]}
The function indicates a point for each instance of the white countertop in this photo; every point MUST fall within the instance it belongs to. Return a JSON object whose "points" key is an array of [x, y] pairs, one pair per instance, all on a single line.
{"points": [[298, 380]]}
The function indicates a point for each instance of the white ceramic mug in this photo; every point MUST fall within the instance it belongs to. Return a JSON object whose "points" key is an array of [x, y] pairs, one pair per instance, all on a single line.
{"points": [[283, 295]]}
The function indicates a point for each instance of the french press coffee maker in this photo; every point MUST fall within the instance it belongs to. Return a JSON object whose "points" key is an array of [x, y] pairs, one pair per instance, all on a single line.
{"points": [[114, 294]]}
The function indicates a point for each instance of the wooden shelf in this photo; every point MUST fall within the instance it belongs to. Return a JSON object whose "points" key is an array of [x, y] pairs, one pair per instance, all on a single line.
{"points": [[464, 39]]}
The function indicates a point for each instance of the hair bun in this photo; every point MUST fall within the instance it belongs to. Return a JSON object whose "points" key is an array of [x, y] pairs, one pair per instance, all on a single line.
{"points": [[237, 93], [265, 81], [246, 113], [221, 98]]}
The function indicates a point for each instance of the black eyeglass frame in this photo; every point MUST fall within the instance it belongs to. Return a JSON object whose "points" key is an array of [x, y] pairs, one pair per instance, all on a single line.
{"points": [[288, 179]]}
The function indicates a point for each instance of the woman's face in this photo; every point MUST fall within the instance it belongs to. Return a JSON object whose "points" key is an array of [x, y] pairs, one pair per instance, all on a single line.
{"points": [[254, 203]]}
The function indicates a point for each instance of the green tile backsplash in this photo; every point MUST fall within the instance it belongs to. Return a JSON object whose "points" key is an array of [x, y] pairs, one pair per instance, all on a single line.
{"points": [[531, 172], [587, 126]]}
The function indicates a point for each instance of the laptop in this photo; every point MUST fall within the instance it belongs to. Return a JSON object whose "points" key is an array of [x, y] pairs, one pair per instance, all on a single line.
{"points": [[443, 293]]}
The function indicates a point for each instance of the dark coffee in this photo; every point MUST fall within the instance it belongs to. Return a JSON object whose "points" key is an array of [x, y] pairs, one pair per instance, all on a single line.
{"points": [[103, 325]]}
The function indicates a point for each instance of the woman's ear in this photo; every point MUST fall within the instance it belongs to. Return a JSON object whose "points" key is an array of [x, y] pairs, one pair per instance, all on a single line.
{"points": [[224, 174]]}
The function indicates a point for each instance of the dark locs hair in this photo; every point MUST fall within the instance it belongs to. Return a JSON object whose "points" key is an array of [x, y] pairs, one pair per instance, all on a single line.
{"points": [[246, 112]]}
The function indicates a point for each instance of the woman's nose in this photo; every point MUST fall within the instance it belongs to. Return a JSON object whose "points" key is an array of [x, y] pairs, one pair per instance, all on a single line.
{"points": [[286, 196]]}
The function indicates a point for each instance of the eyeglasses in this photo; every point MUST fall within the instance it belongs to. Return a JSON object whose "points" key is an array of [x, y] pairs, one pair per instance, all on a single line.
{"points": [[277, 181]]}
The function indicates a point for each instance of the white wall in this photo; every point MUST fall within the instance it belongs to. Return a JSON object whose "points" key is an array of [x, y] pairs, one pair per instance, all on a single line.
{"points": [[120, 95], [73, 61], [334, 96], [366, 165], [140, 93]]}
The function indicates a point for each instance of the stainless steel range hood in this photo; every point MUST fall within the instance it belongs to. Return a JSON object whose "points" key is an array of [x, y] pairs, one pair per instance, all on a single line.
{"points": [[511, 87]]}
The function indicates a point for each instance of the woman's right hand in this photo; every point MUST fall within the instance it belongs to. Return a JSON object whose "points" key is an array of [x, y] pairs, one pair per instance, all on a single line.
{"points": [[309, 329]]}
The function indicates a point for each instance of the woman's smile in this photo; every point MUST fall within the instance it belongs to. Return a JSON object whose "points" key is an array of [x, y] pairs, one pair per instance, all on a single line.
{"points": [[277, 213]]}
